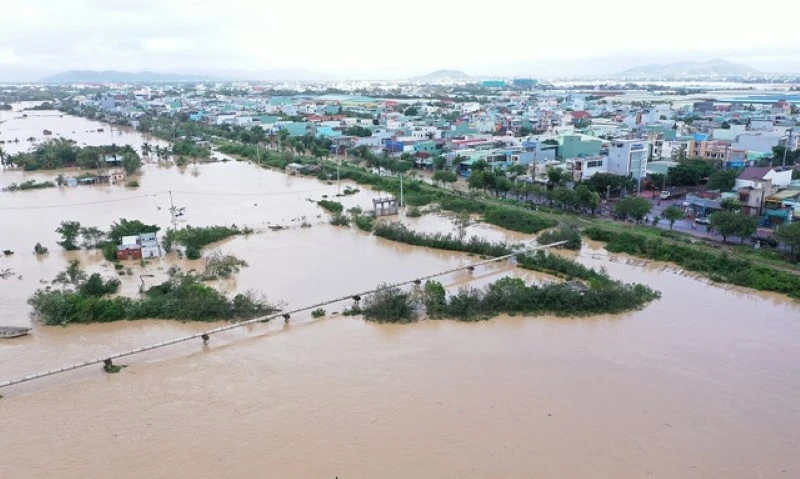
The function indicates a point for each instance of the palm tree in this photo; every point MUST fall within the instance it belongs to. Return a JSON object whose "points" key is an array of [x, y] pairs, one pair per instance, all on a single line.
{"points": [[146, 149]]}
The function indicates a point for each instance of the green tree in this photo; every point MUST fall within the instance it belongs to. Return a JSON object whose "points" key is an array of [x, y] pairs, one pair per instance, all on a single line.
{"points": [[131, 162], [789, 234], [605, 183], [673, 214], [583, 195], [722, 180], [477, 179], [658, 181], [634, 207], [89, 158], [358, 130], [462, 221], [129, 228], [746, 227], [565, 197], [726, 223], [594, 202], [411, 111], [434, 297], [72, 276], [69, 231], [92, 236], [444, 176], [730, 204], [555, 177]]}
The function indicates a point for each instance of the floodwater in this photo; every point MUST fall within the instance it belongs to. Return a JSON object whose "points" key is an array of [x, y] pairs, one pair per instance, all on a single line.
{"points": [[702, 383]]}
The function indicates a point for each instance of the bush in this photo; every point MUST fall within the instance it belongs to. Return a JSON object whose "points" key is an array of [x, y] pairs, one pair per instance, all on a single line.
{"points": [[340, 220], [318, 313], [39, 250], [182, 297], [30, 185], [516, 219], [571, 236], [390, 305], [512, 296], [198, 237], [364, 222], [414, 212], [193, 252], [399, 232], [109, 250], [331, 206], [132, 184]]}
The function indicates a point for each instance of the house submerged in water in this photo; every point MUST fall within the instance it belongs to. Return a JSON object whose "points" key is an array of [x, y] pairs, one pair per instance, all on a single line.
{"points": [[141, 246]]}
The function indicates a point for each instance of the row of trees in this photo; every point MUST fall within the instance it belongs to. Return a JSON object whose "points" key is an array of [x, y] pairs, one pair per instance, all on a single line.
{"points": [[61, 153]]}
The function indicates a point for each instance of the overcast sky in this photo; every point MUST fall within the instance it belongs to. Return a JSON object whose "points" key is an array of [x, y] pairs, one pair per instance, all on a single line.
{"points": [[379, 39]]}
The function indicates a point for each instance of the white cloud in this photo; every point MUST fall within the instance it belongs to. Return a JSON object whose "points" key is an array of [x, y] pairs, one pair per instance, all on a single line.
{"points": [[379, 39]]}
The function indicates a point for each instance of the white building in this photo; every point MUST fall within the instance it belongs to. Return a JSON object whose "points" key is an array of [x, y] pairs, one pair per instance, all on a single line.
{"points": [[585, 167], [628, 158], [757, 141]]}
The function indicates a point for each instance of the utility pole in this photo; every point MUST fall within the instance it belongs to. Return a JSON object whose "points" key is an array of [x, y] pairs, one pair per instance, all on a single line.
{"points": [[786, 148], [401, 190], [172, 211], [338, 179]]}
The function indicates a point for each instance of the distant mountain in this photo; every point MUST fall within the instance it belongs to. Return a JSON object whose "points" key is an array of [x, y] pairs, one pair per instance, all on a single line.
{"points": [[443, 75], [113, 76], [712, 68]]}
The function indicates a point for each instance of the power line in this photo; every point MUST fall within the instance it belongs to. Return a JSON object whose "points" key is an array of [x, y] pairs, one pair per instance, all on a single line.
{"points": [[148, 195], [205, 335], [39, 207]]}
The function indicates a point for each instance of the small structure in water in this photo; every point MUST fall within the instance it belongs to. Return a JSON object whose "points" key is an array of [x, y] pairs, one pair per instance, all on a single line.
{"points": [[576, 286], [385, 206], [13, 331]]}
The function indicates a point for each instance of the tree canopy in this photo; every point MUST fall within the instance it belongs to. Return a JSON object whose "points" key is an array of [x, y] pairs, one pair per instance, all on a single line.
{"points": [[730, 223], [634, 207]]}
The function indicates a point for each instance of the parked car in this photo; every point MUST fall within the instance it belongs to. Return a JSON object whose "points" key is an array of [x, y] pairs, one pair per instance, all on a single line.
{"points": [[701, 220]]}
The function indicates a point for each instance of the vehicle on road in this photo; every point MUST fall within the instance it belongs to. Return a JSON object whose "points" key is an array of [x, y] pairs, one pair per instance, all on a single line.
{"points": [[667, 194], [701, 220]]}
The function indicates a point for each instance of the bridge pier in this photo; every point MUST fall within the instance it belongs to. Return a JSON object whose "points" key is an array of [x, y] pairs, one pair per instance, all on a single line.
{"points": [[205, 338]]}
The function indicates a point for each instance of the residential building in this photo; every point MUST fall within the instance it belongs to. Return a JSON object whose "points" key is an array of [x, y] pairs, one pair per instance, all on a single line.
{"points": [[628, 158], [574, 146], [757, 177], [586, 167], [714, 150]]}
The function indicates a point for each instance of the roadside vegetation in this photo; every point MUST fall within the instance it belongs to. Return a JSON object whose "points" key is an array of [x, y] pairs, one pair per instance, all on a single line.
{"points": [[721, 267]]}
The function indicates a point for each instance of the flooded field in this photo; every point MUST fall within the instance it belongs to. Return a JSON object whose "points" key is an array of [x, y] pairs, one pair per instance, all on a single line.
{"points": [[702, 383]]}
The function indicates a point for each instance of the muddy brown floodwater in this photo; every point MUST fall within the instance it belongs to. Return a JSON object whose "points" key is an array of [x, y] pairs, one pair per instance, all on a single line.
{"points": [[702, 383]]}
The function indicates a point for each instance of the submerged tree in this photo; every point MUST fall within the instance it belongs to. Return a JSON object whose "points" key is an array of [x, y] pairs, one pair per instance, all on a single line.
{"points": [[69, 231]]}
